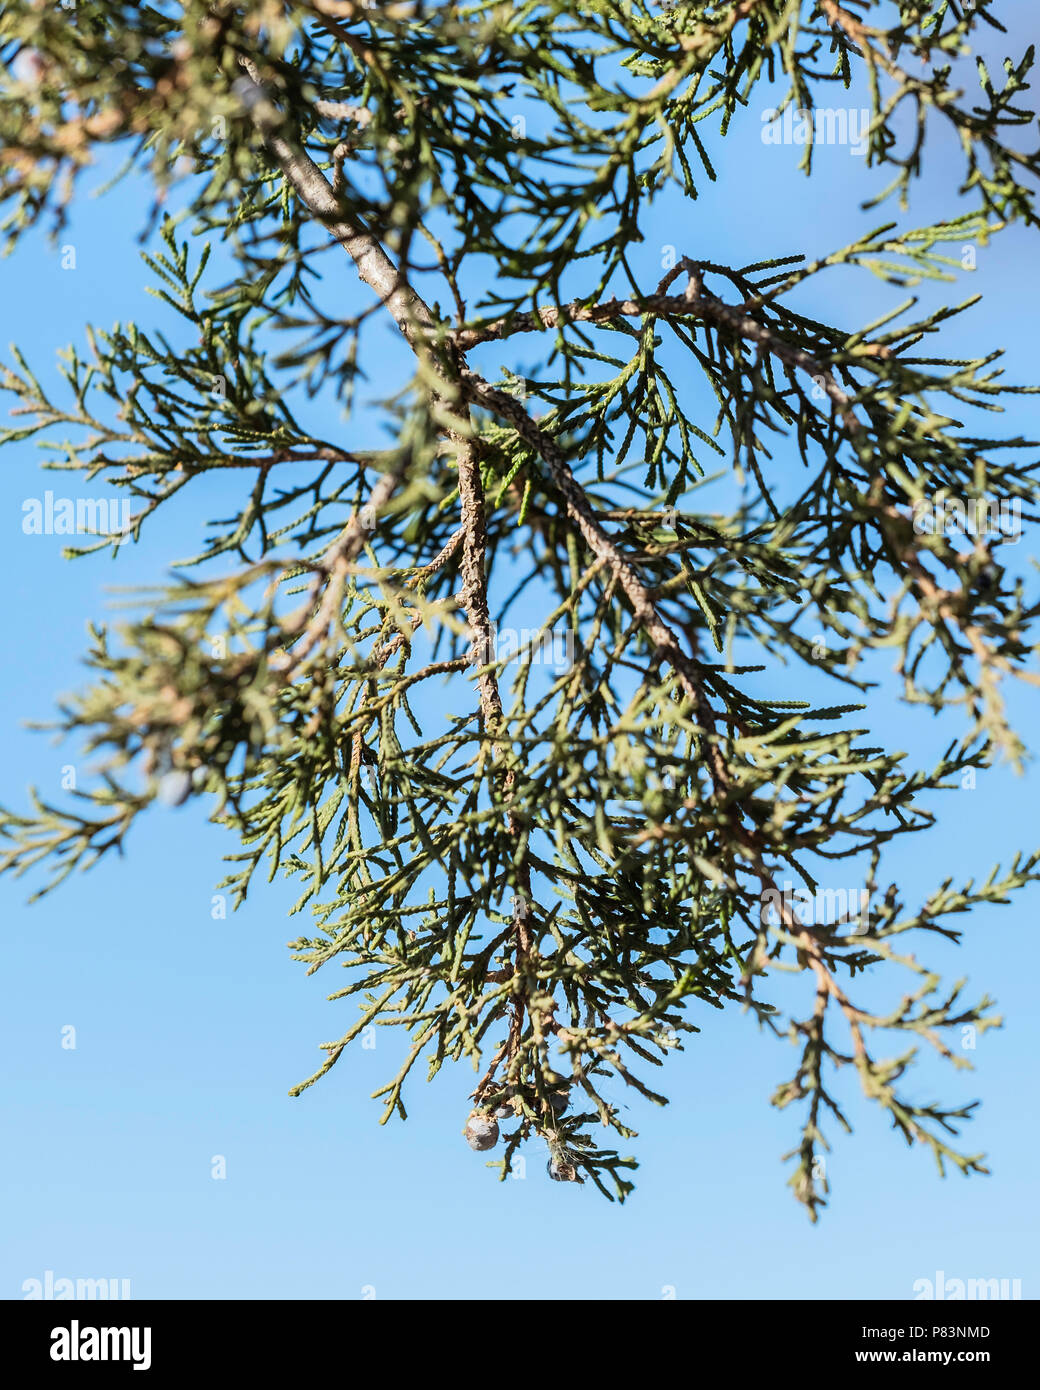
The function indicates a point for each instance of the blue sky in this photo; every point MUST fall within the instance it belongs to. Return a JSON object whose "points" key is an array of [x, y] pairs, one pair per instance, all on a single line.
{"points": [[190, 1030]]}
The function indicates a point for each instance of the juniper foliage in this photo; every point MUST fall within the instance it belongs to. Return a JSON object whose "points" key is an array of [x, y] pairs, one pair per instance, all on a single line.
{"points": [[548, 872]]}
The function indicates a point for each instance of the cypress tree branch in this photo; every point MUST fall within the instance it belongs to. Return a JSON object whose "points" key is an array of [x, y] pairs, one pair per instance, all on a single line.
{"points": [[608, 823]]}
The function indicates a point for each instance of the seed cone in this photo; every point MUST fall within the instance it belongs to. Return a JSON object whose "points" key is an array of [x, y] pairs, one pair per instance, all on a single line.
{"points": [[481, 1131]]}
